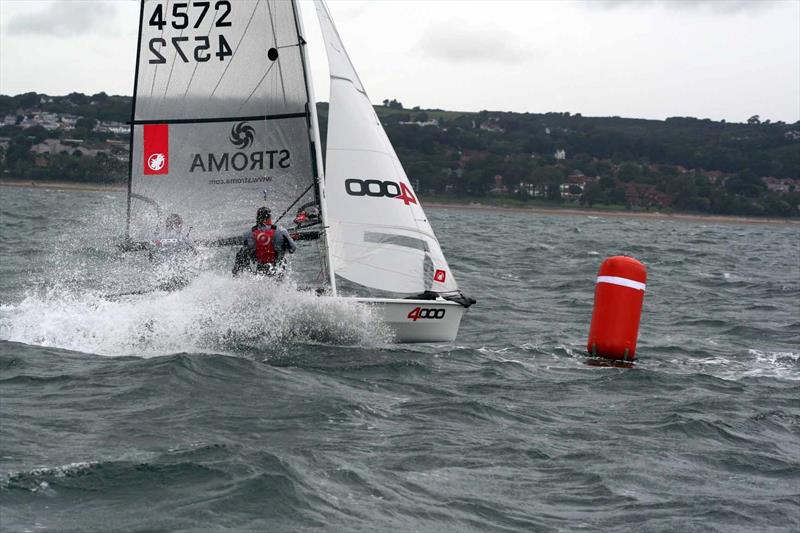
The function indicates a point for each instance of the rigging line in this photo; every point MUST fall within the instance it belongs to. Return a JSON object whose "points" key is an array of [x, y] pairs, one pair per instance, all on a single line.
{"points": [[172, 68], [293, 203], [197, 64], [155, 72], [241, 39], [257, 86], [452, 291], [275, 43]]}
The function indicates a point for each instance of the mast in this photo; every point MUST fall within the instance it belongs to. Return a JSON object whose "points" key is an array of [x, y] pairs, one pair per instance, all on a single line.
{"points": [[314, 139], [133, 121]]}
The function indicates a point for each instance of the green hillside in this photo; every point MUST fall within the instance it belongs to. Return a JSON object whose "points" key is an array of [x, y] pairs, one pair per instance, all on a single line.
{"points": [[679, 164]]}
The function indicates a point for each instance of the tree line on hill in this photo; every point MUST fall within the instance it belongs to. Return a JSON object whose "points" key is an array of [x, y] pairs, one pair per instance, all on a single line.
{"points": [[680, 163]]}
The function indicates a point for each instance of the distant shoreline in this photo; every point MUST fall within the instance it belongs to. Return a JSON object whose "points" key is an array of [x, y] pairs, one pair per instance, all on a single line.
{"points": [[688, 217], [476, 206], [63, 185]]}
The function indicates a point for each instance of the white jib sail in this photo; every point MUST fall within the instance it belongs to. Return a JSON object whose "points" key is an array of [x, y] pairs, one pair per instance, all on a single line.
{"points": [[379, 234]]}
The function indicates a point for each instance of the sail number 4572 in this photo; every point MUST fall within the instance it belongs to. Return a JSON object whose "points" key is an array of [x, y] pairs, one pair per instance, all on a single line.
{"points": [[184, 15], [380, 189], [426, 312]]}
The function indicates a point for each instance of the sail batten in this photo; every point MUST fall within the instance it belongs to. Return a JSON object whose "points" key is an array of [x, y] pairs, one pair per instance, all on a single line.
{"points": [[220, 119]]}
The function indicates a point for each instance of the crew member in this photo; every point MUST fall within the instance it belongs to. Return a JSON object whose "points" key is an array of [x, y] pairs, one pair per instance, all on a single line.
{"points": [[171, 241], [265, 245], [171, 251]]}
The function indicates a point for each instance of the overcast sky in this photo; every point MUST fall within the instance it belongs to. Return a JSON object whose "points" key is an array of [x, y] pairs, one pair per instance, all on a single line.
{"points": [[720, 59]]}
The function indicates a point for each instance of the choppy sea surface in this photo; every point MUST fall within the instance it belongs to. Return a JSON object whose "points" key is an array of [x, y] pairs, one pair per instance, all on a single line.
{"points": [[241, 405]]}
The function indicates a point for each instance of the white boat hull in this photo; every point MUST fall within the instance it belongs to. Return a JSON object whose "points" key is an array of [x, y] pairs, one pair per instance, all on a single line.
{"points": [[418, 320]]}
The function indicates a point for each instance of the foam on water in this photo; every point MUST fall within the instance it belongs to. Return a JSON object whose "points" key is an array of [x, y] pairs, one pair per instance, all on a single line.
{"points": [[775, 364], [36, 478], [755, 363], [213, 313]]}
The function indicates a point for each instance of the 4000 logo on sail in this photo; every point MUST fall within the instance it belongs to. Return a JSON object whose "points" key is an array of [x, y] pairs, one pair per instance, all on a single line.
{"points": [[380, 189]]}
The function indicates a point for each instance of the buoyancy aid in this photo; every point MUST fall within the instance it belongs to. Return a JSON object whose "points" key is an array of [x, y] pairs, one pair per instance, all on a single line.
{"points": [[265, 251]]}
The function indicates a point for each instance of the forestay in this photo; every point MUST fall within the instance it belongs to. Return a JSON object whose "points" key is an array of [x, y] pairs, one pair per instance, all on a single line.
{"points": [[220, 114], [380, 237]]}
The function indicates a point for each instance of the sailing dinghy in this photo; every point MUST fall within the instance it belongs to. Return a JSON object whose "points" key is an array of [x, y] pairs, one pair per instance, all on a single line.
{"points": [[223, 121]]}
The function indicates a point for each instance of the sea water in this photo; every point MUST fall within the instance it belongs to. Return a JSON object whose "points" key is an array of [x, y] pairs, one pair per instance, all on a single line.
{"points": [[243, 404]]}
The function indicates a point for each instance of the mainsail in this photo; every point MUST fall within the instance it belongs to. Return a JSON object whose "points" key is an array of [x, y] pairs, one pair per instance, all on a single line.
{"points": [[379, 235], [222, 117]]}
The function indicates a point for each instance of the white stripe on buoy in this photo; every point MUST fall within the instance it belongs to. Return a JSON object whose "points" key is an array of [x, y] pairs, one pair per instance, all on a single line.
{"points": [[614, 280]]}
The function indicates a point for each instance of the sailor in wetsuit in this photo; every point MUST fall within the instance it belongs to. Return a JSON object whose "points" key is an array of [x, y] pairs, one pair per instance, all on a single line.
{"points": [[265, 245], [171, 241], [172, 251]]}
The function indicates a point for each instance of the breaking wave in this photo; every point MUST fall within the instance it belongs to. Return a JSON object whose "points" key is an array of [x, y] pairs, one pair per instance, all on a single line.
{"points": [[213, 313]]}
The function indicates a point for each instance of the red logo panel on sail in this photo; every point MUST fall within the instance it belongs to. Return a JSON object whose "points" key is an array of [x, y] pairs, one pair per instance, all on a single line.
{"points": [[439, 275], [156, 148]]}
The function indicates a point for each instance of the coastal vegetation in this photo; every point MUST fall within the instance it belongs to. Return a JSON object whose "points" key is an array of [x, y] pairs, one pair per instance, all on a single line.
{"points": [[680, 164]]}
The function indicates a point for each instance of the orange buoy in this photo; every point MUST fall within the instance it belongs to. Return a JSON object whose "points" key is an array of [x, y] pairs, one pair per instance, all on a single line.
{"points": [[618, 298]]}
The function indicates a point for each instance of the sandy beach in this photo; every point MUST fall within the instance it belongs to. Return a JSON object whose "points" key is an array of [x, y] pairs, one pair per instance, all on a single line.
{"points": [[476, 206]]}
